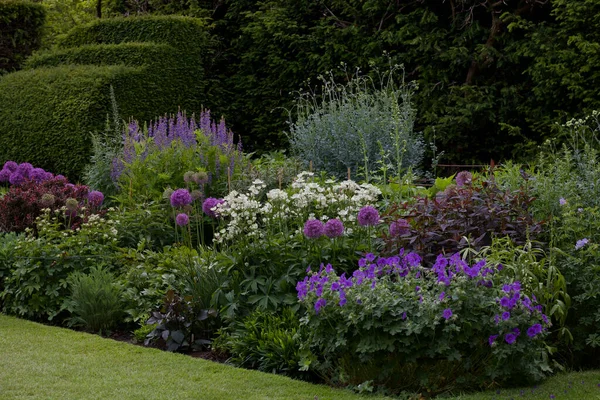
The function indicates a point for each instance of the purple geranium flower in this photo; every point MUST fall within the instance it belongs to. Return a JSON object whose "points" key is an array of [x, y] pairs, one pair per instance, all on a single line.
{"points": [[182, 219], [181, 197], [562, 201], [447, 313], [368, 216], [320, 304], [492, 339], [95, 198], [313, 229], [505, 315], [334, 228], [580, 243], [510, 338]]}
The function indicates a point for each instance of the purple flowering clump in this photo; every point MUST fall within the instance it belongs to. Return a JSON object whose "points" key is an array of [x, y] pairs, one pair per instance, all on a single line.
{"points": [[447, 313], [95, 198], [464, 178], [209, 204], [182, 219], [25, 169], [510, 338], [38, 175], [580, 243], [399, 227], [334, 228], [320, 304], [180, 198], [313, 229], [16, 178], [368, 216], [5, 175], [10, 166]]}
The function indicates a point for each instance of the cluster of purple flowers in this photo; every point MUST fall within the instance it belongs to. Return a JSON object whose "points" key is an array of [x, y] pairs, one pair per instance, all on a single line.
{"points": [[16, 174], [208, 207], [180, 128], [368, 216], [314, 229], [181, 198], [95, 198], [370, 268], [448, 267], [512, 300]]}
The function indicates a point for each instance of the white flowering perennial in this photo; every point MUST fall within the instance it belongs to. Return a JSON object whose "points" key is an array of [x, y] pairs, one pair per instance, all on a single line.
{"points": [[244, 216]]}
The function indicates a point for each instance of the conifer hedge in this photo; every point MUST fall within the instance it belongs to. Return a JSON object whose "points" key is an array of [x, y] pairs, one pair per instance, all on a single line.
{"points": [[21, 25], [49, 110]]}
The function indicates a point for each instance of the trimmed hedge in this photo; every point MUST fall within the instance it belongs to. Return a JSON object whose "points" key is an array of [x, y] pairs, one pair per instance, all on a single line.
{"points": [[155, 65], [21, 25]]}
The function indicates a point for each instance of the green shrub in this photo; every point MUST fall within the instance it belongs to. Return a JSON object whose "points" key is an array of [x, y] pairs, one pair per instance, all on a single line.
{"points": [[96, 301], [265, 341], [357, 127], [35, 286], [21, 24], [48, 112]]}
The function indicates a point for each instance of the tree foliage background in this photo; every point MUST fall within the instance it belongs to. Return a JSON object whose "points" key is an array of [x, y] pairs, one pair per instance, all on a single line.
{"points": [[494, 75]]}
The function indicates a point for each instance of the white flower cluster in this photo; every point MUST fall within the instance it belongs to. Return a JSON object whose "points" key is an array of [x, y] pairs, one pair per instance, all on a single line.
{"points": [[247, 216]]}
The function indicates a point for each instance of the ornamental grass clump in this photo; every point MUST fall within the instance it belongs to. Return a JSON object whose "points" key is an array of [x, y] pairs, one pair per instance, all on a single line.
{"points": [[404, 326]]}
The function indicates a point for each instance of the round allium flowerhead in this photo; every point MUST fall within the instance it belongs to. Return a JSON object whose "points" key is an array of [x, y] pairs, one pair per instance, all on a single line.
{"points": [[16, 178], [71, 204], [38, 175], [333, 228], [95, 198], [197, 194], [180, 198], [11, 166], [49, 175], [47, 200], [368, 216], [208, 206], [25, 169], [200, 178], [399, 227], [5, 175], [464, 178], [182, 219], [313, 229], [60, 177], [187, 177]]}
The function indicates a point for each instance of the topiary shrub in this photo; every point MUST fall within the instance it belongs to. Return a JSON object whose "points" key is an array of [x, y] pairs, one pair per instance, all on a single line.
{"points": [[49, 111], [21, 25]]}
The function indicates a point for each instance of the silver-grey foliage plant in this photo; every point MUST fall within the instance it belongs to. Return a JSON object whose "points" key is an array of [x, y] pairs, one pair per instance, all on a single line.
{"points": [[360, 126]]}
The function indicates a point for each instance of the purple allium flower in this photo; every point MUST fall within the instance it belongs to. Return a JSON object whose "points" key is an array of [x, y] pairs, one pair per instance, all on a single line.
{"points": [[38, 175], [182, 219], [313, 229], [320, 304], [181, 197], [510, 338], [196, 194], [580, 243], [464, 178], [16, 178], [562, 201], [60, 177], [200, 178], [447, 313], [209, 204], [187, 177], [399, 227], [71, 204], [334, 228], [95, 198], [368, 216], [492, 339], [505, 315], [24, 169], [5, 175], [11, 166]]}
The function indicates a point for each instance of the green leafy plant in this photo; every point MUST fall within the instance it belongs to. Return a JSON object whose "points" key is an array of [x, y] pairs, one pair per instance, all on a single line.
{"points": [[96, 301]]}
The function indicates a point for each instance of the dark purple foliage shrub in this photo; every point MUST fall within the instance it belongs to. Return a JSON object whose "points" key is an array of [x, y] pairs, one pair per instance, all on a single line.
{"points": [[478, 211]]}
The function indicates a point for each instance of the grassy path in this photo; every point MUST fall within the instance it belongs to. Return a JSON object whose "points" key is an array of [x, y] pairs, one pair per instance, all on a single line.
{"points": [[42, 362]]}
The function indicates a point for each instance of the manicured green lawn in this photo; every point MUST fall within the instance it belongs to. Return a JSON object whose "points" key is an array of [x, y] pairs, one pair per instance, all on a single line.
{"points": [[42, 362]]}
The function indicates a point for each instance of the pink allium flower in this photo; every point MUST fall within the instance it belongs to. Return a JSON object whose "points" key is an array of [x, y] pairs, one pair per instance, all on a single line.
{"points": [[368, 216], [182, 219], [334, 228], [180, 198], [313, 229]]}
